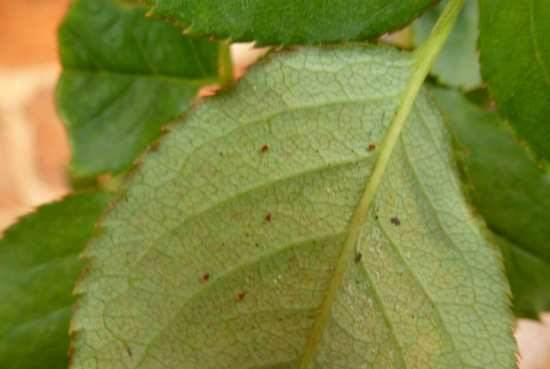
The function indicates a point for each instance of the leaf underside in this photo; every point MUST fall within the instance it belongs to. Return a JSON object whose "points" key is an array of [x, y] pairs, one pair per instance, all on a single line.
{"points": [[220, 252], [124, 76], [512, 193], [39, 263], [291, 22], [515, 62]]}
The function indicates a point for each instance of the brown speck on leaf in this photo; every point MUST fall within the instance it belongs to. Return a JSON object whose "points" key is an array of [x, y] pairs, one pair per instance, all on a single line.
{"points": [[154, 146], [264, 148], [372, 147], [268, 217], [395, 221], [70, 353], [358, 257], [205, 277], [240, 296], [129, 351]]}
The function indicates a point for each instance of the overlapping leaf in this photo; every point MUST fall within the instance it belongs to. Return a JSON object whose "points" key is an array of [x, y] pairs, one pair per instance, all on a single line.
{"points": [[515, 62], [513, 195], [39, 263], [220, 252], [124, 76], [291, 22], [457, 64]]}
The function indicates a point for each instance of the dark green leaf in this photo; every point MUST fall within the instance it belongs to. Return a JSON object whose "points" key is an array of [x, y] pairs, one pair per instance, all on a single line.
{"points": [[291, 22], [124, 76], [513, 195], [515, 62], [458, 63], [39, 264]]}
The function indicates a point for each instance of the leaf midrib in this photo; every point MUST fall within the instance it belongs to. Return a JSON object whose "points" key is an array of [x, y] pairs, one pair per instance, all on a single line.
{"points": [[422, 62]]}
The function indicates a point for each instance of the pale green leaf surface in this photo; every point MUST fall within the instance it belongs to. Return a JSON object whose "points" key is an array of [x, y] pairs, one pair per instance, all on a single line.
{"points": [[513, 195], [39, 263], [291, 22], [267, 226], [457, 64], [124, 76], [515, 62]]}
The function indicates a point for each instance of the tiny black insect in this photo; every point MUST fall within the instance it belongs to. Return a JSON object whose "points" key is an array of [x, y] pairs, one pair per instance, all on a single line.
{"points": [[395, 221], [264, 148], [358, 257]]}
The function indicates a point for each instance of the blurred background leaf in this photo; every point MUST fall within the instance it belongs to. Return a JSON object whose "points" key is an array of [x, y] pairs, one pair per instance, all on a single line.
{"points": [[511, 192], [515, 62], [39, 264], [458, 63], [124, 77]]}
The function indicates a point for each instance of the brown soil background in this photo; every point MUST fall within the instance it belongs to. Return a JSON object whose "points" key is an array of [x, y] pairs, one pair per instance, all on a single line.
{"points": [[34, 151]]}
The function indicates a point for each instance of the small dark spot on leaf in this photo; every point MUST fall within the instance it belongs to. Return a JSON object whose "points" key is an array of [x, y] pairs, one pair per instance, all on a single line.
{"points": [[358, 257], [395, 221], [372, 147], [70, 353], [205, 277], [240, 296], [268, 217], [154, 146], [264, 148], [129, 351]]}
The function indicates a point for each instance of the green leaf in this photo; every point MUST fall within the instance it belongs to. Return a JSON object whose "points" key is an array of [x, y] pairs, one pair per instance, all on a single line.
{"points": [[39, 264], [291, 22], [528, 274], [515, 62], [457, 64], [221, 251], [124, 76], [513, 195]]}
